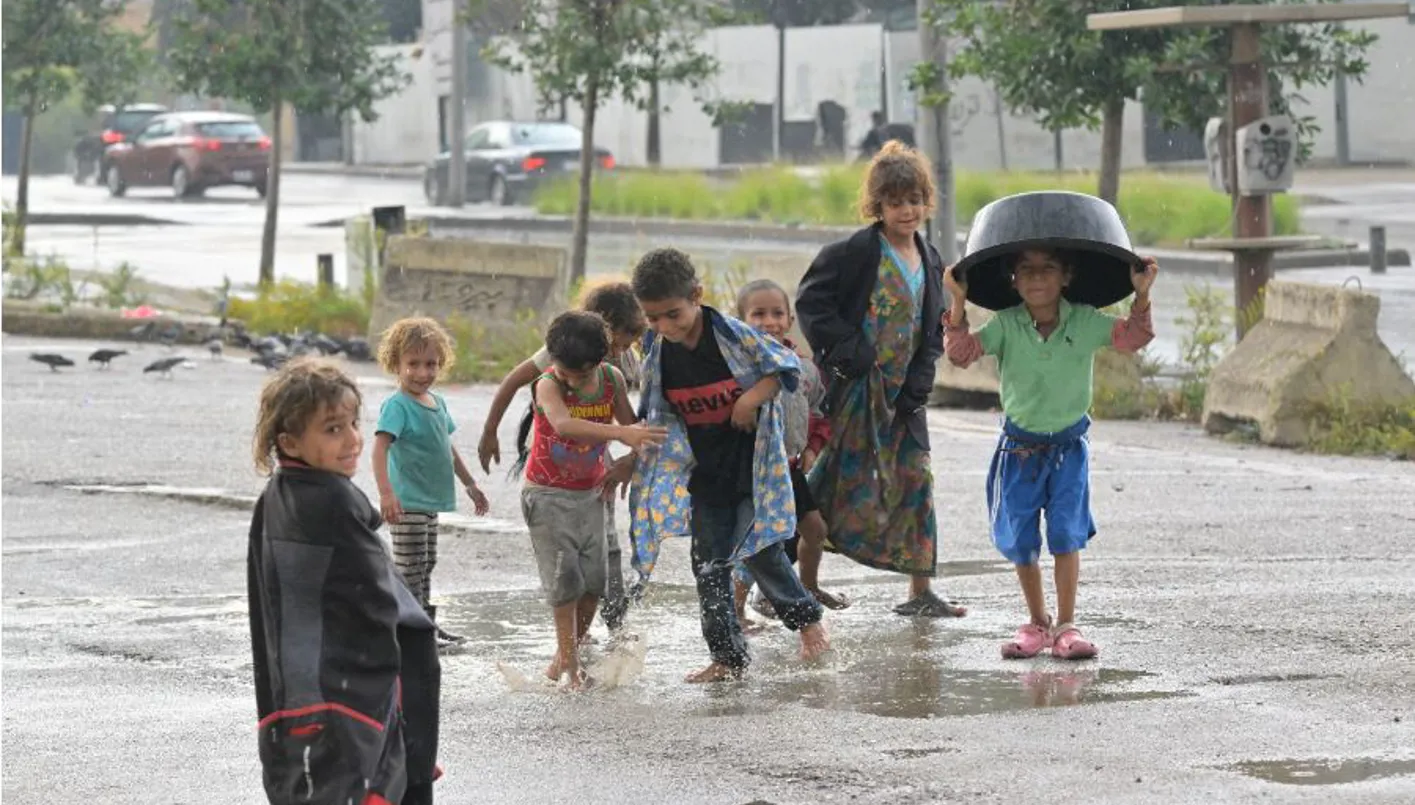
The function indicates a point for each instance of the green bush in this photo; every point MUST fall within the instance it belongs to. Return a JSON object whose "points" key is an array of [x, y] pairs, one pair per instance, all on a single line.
{"points": [[1159, 209], [483, 356], [289, 306], [1343, 427]]}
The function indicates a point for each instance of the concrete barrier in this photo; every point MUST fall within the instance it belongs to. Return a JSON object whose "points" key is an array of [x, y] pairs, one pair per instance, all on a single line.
{"points": [[493, 285], [1313, 343], [28, 318]]}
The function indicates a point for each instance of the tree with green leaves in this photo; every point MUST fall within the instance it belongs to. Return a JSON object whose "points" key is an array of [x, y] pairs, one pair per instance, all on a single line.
{"points": [[53, 46], [588, 51], [1045, 62], [313, 55]]}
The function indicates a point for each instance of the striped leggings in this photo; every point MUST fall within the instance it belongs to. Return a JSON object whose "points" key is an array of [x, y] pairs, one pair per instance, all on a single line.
{"points": [[415, 551]]}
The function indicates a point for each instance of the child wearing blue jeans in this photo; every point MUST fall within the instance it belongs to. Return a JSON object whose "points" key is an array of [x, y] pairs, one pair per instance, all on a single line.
{"points": [[722, 475], [414, 463], [1045, 349]]}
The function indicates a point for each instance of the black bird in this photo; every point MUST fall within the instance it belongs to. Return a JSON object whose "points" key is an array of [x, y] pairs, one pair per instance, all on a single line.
{"points": [[51, 360], [326, 345], [215, 347], [269, 344], [102, 357], [170, 335], [165, 366], [357, 349], [270, 360], [143, 332]]}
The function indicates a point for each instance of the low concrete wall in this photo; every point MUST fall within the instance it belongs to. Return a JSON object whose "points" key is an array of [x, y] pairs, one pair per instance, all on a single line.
{"points": [[1313, 343], [488, 284], [21, 318]]}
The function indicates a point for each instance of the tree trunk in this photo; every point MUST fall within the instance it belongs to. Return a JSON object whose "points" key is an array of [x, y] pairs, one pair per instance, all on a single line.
{"points": [[655, 146], [579, 241], [272, 194], [17, 242], [1112, 126]]}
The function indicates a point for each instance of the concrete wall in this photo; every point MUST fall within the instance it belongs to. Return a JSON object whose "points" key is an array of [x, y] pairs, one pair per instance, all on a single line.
{"points": [[406, 128], [863, 68]]}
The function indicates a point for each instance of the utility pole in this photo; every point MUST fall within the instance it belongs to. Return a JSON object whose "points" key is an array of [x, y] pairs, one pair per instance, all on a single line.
{"points": [[778, 121], [936, 139], [457, 147]]}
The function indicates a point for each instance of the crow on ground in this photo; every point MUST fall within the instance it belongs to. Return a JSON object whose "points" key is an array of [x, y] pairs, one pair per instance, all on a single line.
{"points": [[103, 357], [165, 366], [271, 360], [215, 347], [51, 360]]}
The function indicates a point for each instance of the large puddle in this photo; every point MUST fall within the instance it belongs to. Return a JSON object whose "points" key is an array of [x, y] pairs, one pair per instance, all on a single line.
{"points": [[881, 664], [1324, 772]]}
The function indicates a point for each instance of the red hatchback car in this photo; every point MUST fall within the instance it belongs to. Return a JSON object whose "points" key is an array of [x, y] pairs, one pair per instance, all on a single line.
{"points": [[189, 152]]}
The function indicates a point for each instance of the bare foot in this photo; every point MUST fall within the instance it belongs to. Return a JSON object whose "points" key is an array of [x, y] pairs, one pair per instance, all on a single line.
{"points": [[580, 681], [814, 642], [588, 640], [716, 672], [829, 600], [559, 665]]}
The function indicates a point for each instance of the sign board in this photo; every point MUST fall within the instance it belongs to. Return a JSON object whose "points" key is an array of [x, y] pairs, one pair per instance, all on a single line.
{"points": [[491, 285], [1217, 154], [1268, 151]]}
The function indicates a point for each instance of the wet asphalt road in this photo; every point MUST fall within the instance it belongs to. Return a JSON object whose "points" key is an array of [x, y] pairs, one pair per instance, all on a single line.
{"points": [[1255, 609]]}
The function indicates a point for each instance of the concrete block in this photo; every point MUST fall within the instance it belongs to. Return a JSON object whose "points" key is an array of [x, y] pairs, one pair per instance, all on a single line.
{"points": [[1314, 341], [493, 285]]}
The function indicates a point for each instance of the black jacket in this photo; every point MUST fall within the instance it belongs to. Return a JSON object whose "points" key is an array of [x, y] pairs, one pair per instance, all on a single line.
{"points": [[347, 678], [832, 302]]}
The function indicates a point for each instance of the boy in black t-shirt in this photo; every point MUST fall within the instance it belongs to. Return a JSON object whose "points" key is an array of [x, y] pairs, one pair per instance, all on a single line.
{"points": [[731, 516]]}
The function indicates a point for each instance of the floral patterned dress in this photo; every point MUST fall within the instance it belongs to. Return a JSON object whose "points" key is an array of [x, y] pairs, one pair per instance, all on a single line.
{"points": [[873, 481]]}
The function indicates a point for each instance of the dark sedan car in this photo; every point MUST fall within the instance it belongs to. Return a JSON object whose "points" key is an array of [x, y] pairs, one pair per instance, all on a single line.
{"points": [[506, 161], [114, 125]]}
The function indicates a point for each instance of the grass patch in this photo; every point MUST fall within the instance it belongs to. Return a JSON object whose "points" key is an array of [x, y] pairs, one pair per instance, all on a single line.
{"points": [[1343, 427], [484, 355], [289, 307], [1160, 209]]}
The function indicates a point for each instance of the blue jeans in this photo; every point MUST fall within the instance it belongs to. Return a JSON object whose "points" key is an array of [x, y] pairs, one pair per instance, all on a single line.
{"points": [[717, 531]]}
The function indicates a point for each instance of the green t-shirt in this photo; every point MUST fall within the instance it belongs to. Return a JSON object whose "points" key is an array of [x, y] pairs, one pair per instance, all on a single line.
{"points": [[1046, 383], [420, 458]]}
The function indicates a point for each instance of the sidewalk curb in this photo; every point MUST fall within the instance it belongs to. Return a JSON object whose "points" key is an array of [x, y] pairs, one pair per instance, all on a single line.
{"points": [[28, 318], [96, 219]]}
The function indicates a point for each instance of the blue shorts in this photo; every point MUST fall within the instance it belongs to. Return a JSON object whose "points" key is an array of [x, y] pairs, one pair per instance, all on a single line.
{"points": [[1036, 472]]}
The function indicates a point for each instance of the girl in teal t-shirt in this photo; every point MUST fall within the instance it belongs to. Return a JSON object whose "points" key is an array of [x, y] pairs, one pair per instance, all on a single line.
{"points": [[414, 461]]}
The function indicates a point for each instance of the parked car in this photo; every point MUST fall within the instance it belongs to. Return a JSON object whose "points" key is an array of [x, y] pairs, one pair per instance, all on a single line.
{"points": [[111, 125], [506, 161], [190, 152]]}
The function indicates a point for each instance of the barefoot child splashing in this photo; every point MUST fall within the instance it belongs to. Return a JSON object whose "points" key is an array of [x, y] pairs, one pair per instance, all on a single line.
{"points": [[766, 306], [347, 679], [1045, 348], [722, 475], [577, 403]]}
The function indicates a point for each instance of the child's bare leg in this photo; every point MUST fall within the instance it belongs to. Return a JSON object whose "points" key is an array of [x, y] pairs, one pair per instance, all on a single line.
{"points": [[918, 585], [739, 603], [588, 605], [1030, 577], [809, 554], [714, 672], [1068, 575], [566, 634]]}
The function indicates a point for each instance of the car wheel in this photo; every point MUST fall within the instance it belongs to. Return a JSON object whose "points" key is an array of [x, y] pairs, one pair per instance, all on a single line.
{"points": [[500, 194], [114, 179], [181, 182], [434, 189]]}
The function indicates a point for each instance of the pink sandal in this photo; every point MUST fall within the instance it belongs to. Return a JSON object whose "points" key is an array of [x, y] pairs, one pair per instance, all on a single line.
{"points": [[1029, 641], [1068, 644]]}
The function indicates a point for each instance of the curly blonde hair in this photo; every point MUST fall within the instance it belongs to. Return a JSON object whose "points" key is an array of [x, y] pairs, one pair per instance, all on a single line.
{"points": [[291, 399], [895, 173], [413, 335]]}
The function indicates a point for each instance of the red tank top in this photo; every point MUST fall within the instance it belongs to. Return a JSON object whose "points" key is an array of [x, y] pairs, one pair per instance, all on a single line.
{"points": [[565, 463]]}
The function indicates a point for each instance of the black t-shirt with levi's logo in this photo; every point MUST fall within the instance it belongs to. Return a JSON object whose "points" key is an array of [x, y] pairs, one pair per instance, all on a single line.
{"points": [[699, 386]]}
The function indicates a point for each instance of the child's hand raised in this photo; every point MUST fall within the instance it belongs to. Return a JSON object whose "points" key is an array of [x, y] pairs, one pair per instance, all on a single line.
{"points": [[1144, 277], [958, 291], [641, 435]]}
